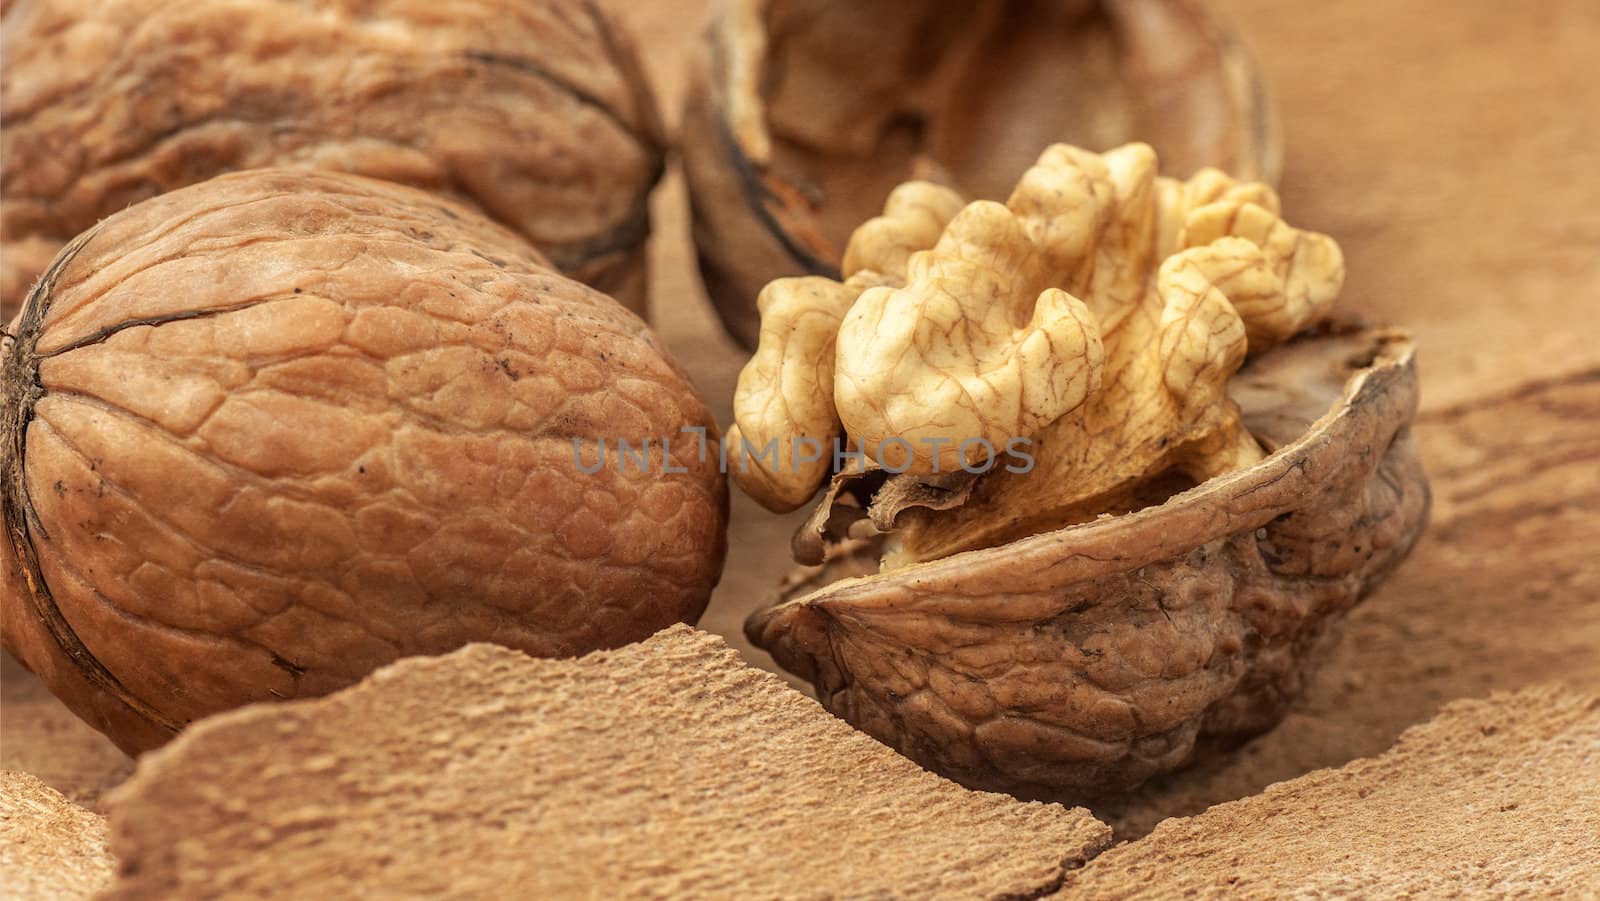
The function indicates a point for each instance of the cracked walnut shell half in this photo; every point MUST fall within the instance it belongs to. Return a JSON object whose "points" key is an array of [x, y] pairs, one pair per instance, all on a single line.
{"points": [[267, 433], [802, 115], [1082, 661], [537, 113]]}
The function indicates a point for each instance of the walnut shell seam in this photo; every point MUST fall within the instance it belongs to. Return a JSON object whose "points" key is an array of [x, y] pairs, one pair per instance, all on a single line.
{"points": [[21, 367]]}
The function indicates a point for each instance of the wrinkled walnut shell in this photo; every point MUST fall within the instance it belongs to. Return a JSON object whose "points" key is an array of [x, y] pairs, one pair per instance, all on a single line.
{"points": [[536, 113], [264, 434], [802, 114], [1084, 661]]}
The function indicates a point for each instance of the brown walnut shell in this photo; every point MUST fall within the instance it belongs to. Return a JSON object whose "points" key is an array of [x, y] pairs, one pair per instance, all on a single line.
{"points": [[802, 115], [264, 434], [536, 113], [1081, 662]]}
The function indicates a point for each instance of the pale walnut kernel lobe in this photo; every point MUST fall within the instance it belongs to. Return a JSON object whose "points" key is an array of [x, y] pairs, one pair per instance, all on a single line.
{"points": [[1092, 321], [784, 395], [977, 345], [271, 431]]}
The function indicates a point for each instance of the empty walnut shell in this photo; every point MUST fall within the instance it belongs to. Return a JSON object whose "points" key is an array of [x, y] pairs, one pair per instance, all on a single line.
{"points": [[536, 113], [1083, 661], [261, 435], [803, 114]]}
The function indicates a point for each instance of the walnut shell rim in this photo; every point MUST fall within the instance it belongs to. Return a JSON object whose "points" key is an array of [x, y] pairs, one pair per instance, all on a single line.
{"points": [[1081, 662], [755, 217]]}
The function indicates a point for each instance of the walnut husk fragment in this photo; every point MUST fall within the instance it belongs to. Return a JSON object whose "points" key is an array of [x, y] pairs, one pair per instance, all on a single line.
{"points": [[536, 113], [1084, 660], [803, 115], [264, 434], [665, 769]]}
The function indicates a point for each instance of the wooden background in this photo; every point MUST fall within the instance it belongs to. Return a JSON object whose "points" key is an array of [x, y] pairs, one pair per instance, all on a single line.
{"points": [[1453, 148]]}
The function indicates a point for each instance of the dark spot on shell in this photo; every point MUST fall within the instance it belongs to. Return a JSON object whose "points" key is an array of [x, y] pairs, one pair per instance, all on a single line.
{"points": [[288, 666]]}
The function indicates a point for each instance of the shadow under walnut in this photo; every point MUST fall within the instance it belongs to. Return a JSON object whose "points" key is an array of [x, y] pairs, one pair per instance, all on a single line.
{"points": [[1081, 662]]}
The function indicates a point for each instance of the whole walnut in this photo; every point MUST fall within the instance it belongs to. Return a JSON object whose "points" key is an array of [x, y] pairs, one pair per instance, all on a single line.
{"points": [[535, 111], [269, 432]]}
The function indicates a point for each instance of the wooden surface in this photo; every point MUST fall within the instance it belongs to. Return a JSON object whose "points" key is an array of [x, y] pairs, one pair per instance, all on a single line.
{"points": [[49, 847], [1451, 147], [663, 769], [1481, 801]]}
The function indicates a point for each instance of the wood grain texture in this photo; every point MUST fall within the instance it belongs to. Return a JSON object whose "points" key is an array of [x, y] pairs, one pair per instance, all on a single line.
{"points": [[50, 848], [1493, 798]]}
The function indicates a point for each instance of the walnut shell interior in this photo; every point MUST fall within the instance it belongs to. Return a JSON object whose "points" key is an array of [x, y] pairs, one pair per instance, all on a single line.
{"points": [[1083, 661], [804, 114]]}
